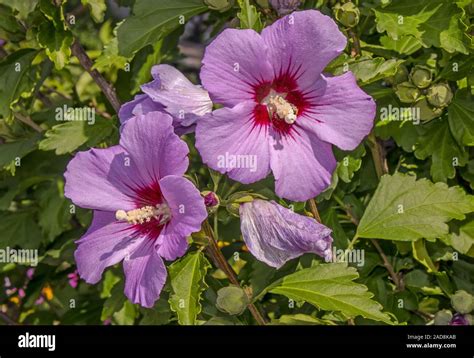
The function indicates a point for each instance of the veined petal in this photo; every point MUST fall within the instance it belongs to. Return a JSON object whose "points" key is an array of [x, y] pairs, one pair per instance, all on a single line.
{"points": [[302, 165], [140, 105], [230, 141], [153, 146], [274, 234], [302, 44], [182, 99], [94, 182], [106, 243], [145, 275], [233, 64], [186, 204], [339, 111]]}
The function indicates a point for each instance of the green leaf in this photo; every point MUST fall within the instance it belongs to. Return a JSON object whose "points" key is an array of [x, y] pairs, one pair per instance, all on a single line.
{"points": [[461, 119], [153, 19], [54, 215], [249, 16], [405, 45], [66, 137], [438, 143], [57, 43], [113, 303], [24, 7], [20, 229], [421, 255], [435, 23], [300, 319], [17, 149], [331, 287], [97, 7], [406, 209], [17, 78], [464, 240], [365, 69], [126, 316], [187, 282]]}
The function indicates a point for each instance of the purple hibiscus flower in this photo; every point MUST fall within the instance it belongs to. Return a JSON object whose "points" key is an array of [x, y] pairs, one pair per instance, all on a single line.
{"points": [[143, 208], [274, 234], [280, 111], [170, 92]]}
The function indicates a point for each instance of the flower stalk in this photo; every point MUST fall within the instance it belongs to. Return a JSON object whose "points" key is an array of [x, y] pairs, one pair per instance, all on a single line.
{"points": [[220, 261]]}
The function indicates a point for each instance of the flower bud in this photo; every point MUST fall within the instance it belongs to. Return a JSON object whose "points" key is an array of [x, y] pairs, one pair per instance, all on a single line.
{"points": [[284, 7], [407, 93], [232, 300], [462, 302], [347, 14], [211, 200], [439, 95], [400, 76], [421, 76], [219, 5], [427, 112], [443, 318], [459, 320]]}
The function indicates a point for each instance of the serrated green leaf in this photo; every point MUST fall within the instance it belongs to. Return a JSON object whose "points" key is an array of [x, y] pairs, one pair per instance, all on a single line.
{"points": [[461, 119], [249, 16], [187, 282], [66, 137], [435, 23], [406, 209], [437, 143], [331, 287], [153, 19]]}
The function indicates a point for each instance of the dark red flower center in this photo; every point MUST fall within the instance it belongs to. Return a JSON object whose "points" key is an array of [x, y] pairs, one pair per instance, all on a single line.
{"points": [[279, 103], [151, 213]]}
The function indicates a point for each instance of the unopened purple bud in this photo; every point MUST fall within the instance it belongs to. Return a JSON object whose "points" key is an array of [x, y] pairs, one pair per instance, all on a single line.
{"points": [[459, 320], [284, 7], [211, 200]]}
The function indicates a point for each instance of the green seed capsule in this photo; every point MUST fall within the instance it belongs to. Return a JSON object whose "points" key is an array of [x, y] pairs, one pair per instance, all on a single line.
{"points": [[439, 95], [421, 76], [347, 14], [407, 92], [462, 302]]}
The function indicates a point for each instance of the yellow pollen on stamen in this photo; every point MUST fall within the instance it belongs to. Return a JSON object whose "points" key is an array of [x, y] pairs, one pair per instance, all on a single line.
{"points": [[160, 212], [277, 104]]}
